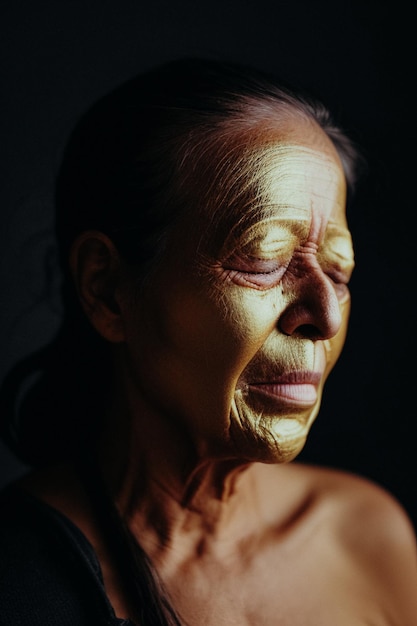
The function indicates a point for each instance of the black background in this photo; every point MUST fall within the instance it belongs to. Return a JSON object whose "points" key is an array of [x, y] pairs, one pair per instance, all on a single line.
{"points": [[58, 57]]}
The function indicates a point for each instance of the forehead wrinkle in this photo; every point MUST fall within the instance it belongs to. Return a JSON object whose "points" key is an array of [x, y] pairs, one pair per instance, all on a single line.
{"points": [[241, 178], [294, 162], [282, 182], [253, 182]]}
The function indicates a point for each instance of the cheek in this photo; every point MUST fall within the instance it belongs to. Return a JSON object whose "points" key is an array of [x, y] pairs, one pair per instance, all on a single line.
{"points": [[247, 317], [219, 329]]}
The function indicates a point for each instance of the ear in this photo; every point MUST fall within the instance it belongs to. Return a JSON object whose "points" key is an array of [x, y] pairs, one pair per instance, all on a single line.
{"points": [[97, 272]]}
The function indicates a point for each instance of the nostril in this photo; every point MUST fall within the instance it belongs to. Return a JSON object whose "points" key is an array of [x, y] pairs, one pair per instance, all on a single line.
{"points": [[297, 319], [310, 321], [309, 331]]}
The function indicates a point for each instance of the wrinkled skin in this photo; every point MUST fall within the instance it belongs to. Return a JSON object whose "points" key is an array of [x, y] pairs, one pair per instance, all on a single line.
{"points": [[220, 361], [237, 343]]}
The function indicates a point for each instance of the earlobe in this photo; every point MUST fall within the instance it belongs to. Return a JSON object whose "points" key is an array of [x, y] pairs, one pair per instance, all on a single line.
{"points": [[96, 269]]}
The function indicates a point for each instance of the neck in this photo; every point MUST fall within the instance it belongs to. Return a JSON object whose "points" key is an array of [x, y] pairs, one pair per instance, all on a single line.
{"points": [[163, 487]]}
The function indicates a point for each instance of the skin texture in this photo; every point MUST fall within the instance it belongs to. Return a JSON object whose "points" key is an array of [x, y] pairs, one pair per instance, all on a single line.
{"points": [[220, 362], [269, 305]]}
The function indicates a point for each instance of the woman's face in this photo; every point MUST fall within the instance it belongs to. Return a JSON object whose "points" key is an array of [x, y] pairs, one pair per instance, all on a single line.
{"points": [[235, 339]]}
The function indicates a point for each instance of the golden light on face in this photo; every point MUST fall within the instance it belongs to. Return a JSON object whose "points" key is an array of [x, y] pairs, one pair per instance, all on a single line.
{"points": [[294, 266], [238, 337]]}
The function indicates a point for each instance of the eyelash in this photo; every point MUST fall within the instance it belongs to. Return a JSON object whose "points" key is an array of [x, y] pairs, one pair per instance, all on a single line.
{"points": [[257, 280], [253, 265], [336, 276], [263, 274], [264, 280]]}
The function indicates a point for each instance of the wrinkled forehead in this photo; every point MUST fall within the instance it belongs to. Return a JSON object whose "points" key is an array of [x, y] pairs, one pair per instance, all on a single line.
{"points": [[291, 176], [281, 181]]}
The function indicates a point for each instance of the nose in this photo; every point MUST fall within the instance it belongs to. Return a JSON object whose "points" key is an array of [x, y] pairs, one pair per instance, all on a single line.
{"points": [[314, 310]]}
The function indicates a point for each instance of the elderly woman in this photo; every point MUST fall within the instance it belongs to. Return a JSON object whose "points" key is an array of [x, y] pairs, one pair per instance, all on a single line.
{"points": [[201, 214]]}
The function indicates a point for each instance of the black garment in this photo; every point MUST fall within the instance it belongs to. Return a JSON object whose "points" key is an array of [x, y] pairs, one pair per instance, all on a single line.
{"points": [[49, 572]]}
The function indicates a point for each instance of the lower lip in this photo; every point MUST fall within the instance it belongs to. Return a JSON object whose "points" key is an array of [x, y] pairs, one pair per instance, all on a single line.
{"points": [[286, 393]]}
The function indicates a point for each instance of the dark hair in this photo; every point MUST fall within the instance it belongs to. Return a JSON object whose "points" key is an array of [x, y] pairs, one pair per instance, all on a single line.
{"points": [[136, 161]]}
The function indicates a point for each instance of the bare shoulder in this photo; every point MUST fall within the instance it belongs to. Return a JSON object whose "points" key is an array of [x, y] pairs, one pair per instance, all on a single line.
{"points": [[362, 510], [363, 514], [367, 529], [349, 537]]}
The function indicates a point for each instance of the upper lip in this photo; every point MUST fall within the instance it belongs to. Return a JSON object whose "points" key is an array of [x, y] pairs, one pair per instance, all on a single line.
{"points": [[296, 377]]}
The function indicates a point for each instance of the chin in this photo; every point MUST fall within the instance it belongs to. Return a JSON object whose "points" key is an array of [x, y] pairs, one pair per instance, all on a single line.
{"points": [[257, 436], [288, 449], [268, 445]]}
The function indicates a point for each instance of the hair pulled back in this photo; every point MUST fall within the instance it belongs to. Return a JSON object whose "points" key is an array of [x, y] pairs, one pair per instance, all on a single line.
{"points": [[131, 167]]}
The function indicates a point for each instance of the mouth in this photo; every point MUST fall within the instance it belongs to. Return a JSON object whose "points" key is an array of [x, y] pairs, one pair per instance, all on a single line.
{"points": [[295, 389]]}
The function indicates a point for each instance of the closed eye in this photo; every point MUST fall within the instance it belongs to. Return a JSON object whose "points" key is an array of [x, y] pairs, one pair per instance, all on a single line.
{"points": [[253, 272], [340, 281]]}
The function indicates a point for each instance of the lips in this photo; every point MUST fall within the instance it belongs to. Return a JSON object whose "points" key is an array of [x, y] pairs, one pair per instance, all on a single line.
{"points": [[294, 388]]}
